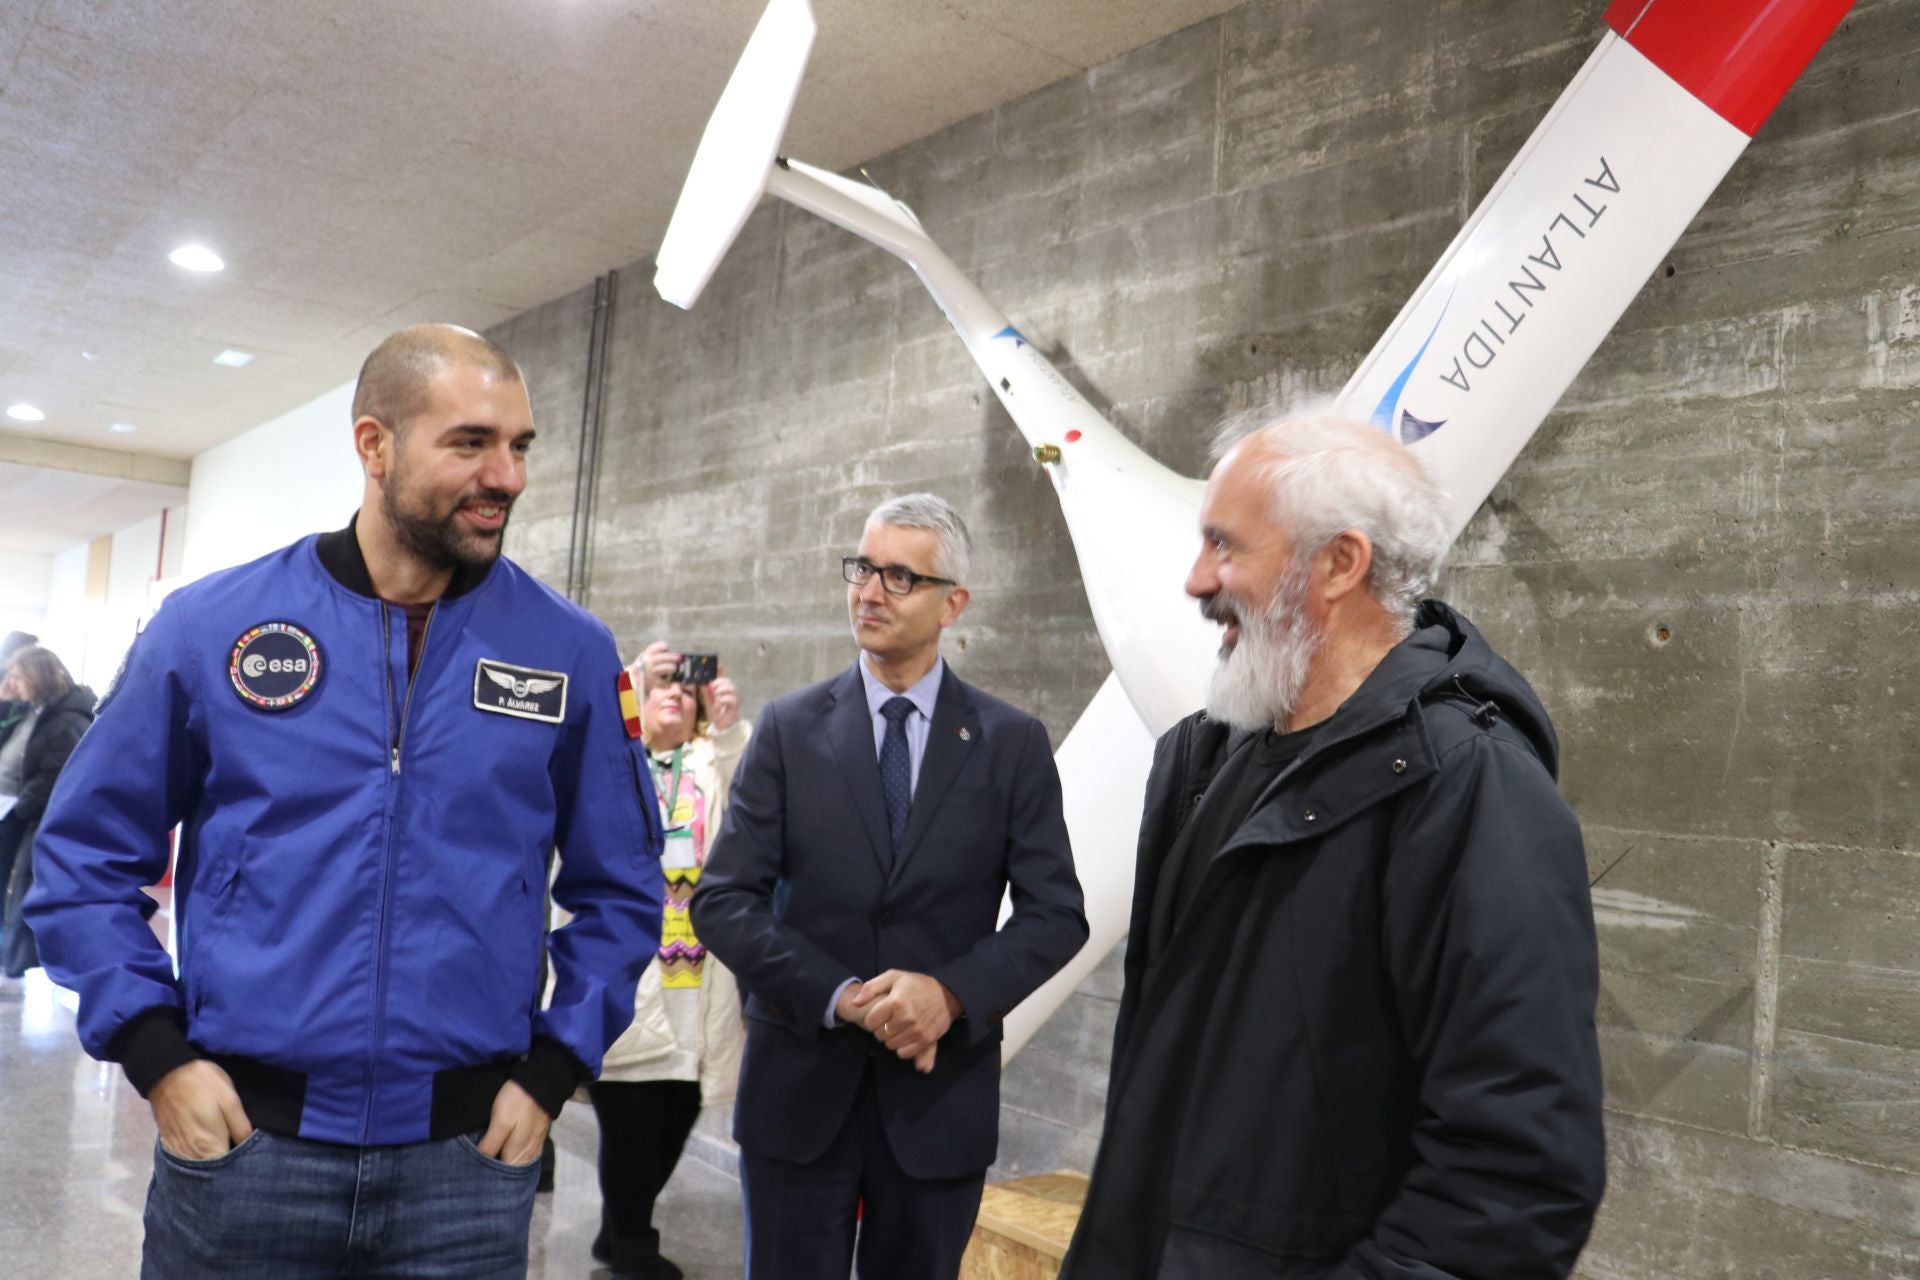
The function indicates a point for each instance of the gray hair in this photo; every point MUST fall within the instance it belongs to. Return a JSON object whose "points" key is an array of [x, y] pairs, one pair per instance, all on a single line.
{"points": [[1326, 475], [953, 552]]}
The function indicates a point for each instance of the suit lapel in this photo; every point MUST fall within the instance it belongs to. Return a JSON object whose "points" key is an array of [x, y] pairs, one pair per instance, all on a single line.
{"points": [[850, 728], [947, 751]]}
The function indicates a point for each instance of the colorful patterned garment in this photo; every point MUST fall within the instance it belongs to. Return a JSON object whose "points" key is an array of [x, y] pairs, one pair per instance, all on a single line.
{"points": [[684, 807], [686, 1024]]}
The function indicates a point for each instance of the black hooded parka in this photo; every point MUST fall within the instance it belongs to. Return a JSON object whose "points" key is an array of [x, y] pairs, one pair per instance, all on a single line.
{"points": [[1365, 1048]]}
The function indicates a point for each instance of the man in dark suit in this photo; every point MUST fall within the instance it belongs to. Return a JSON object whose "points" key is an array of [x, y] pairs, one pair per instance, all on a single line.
{"points": [[874, 825]]}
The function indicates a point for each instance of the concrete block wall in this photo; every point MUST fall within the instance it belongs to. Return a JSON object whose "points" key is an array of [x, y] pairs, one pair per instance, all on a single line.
{"points": [[1708, 560]]}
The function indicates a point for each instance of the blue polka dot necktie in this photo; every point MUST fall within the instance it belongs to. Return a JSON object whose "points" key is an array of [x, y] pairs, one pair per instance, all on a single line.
{"points": [[896, 769]]}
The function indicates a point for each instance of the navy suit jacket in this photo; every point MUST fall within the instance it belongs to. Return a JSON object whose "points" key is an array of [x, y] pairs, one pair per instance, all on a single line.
{"points": [[796, 897]]}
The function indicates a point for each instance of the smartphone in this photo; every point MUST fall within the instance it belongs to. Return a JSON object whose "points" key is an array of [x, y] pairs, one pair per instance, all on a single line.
{"points": [[697, 668]]}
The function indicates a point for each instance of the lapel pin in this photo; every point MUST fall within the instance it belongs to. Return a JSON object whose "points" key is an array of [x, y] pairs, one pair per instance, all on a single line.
{"points": [[964, 735]]}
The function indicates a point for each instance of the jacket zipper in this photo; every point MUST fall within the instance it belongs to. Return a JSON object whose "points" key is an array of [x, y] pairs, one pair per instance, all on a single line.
{"points": [[396, 738], [407, 705]]}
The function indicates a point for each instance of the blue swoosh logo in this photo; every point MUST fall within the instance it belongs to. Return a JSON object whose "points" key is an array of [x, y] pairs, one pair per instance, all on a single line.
{"points": [[1011, 332], [1413, 430], [1383, 415]]}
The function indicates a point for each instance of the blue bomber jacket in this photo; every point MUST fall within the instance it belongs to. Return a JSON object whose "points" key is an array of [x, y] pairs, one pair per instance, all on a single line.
{"points": [[359, 889]]}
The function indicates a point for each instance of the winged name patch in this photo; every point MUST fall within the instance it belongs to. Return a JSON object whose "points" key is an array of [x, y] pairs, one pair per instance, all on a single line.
{"points": [[526, 692]]}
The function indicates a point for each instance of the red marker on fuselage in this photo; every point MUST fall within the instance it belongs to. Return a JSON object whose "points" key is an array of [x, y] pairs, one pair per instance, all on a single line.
{"points": [[1739, 57], [1585, 214]]}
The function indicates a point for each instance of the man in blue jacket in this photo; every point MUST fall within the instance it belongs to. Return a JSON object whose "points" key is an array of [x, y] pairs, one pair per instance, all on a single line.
{"points": [[371, 741]]}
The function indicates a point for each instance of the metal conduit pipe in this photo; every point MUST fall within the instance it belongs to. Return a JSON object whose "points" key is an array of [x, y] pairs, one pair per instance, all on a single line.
{"points": [[586, 474]]}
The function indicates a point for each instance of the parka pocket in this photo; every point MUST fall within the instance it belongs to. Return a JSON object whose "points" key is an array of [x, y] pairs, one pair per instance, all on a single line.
{"points": [[1215, 1236], [1190, 1254]]}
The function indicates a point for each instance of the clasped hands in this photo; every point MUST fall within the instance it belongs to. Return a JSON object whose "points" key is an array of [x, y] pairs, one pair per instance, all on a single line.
{"points": [[907, 1012]]}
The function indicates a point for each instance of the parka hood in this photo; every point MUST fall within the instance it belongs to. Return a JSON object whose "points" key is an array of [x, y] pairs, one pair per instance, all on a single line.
{"points": [[1459, 661], [79, 699], [1382, 739]]}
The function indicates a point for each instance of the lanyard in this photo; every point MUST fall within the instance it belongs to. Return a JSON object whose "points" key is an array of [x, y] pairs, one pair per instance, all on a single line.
{"points": [[673, 792]]}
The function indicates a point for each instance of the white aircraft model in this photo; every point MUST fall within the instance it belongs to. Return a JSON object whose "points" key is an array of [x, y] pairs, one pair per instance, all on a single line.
{"points": [[1490, 340]]}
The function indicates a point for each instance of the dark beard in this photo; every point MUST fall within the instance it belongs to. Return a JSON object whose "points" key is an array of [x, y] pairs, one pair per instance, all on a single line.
{"points": [[437, 541]]}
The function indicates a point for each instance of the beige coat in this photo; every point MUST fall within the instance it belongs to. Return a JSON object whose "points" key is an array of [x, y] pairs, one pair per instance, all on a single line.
{"points": [[710, 761]]}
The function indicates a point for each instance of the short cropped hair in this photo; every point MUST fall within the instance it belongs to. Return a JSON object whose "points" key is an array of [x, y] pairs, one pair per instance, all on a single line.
{"points": [[1325, 475], [393, 382], [953, 549]]}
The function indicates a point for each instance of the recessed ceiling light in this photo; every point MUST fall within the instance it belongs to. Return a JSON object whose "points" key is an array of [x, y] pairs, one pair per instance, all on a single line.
{"points": [[123, 428], [233, 359], [196, 257], [25, 413], [89, 356]]}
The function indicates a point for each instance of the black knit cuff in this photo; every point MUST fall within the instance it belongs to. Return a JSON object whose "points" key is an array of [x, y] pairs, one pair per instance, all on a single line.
{"points": [[149, 1045], [550, 1074]]}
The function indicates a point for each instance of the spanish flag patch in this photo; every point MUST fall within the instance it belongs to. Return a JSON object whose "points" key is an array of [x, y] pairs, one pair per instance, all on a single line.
{"points": [[629, 705]]}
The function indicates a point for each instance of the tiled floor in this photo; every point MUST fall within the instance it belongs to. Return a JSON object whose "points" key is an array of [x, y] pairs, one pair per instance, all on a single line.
{"points": [[76, 1150]]}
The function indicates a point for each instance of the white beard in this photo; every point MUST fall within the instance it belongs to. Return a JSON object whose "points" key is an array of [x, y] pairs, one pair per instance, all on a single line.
{"points": [[1258, 682]]}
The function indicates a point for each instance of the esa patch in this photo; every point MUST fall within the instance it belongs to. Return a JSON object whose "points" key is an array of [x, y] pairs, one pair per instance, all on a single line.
{"points": [[274, 666], [508, 690]]}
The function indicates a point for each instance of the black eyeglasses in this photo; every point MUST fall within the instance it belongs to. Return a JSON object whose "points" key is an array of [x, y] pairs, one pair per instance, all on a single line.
{"points": [[896, 579]]}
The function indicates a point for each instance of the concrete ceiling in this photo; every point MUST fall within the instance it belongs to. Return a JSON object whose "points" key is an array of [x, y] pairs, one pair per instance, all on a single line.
{"points": [[363, 164]]}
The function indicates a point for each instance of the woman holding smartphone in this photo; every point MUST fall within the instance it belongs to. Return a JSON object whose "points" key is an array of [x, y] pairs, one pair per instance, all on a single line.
{"points": [[683, 1050]]}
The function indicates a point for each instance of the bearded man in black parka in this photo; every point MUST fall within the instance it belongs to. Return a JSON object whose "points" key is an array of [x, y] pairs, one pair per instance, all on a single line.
{"points": [[1357, 1038]]}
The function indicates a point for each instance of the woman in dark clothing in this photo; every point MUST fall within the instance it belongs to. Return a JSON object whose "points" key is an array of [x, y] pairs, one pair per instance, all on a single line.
{"points": [[12, 713], [59, 711]]}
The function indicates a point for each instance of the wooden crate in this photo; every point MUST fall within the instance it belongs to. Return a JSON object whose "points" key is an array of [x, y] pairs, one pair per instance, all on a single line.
{"points": [[1024, 1227]]}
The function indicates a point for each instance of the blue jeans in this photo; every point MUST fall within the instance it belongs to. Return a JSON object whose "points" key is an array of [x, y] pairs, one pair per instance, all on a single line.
{"points": [[285, 1209]]}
